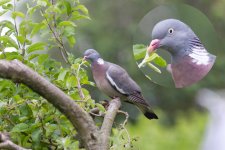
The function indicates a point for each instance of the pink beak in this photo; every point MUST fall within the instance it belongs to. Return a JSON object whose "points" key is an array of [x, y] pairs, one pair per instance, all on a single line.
{"points": [[153, 45]]}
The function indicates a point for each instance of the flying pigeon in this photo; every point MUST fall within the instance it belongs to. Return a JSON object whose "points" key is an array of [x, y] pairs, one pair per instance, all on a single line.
{"points": [[114, 81], [190, 61]]}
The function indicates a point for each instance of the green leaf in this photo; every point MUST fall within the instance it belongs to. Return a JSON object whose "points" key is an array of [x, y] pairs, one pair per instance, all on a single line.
{"points": [[36, 47], [67, 23], [23, 28], [82, 8], [71, 82], [9, 32], [153, 67], [25, 110], [42, 58], [139, 51], [31, 10], [36, 135], [21, 39], [21, 127], [76, 16], [85, 91], [36, 28], [32, 56], [160, 61], [8, 7], [68, 7], [17, 97], [11, 56], [51, 129], [2, 2], [17, 14], [152, 57], [62, 75], [74, 95], [43, 3], [69, 31], [71, 40], [9, 41], [100, 107], [8, 24]]}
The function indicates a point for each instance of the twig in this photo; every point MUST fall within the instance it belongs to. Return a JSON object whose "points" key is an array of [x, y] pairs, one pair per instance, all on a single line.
{"points": [[58, 40], [96, 112], [79, 88], [5, 143], [109, 118], [124, 123], [15, 25], [126, 115], [96, 115]]}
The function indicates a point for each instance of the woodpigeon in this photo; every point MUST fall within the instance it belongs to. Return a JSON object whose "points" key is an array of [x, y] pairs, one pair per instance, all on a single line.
{"points": [[190, 61], [114, 81]]}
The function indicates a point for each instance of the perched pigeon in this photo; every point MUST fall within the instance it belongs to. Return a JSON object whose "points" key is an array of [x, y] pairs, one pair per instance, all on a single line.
{"points": [[114, 81], [190, 61]]}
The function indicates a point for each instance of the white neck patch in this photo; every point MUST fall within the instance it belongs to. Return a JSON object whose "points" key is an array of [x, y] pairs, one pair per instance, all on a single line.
{"points": [[199, 56], [100, 61]]}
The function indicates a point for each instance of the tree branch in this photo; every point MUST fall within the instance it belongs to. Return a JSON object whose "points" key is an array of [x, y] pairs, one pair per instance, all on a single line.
{"points": [[81, 120], [5, 143], [107, 124], [90, 136]]}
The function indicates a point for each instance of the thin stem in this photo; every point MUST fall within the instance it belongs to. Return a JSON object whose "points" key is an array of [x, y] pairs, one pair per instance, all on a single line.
{"points": [[58, 40], [78, 81], [126, 115], [124, 123], [15, 25]]}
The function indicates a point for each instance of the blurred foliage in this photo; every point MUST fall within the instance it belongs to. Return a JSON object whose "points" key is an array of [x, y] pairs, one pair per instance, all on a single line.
{"points": [[186, 134], [31, 121]]}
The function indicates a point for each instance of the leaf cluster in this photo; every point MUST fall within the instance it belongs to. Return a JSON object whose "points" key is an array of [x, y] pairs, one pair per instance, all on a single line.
{"points": [[140, 52]]}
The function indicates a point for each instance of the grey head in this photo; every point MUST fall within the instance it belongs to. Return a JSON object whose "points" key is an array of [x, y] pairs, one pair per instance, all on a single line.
{"points": [[175, 36], [91, 55]]}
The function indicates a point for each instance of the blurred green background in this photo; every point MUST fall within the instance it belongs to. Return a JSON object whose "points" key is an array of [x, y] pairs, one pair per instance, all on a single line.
{"points": [[181, 121]]}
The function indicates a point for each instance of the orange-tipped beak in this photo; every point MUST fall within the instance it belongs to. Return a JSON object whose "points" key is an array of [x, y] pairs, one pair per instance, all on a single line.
{"points": [[153, 46]]}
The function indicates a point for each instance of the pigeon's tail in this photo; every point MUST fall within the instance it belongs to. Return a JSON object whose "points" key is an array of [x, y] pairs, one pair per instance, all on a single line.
{"points": [[138, 100]]}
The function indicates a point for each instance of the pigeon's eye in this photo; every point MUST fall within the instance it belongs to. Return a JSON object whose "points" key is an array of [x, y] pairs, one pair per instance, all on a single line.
{"points": [[171, 30]]}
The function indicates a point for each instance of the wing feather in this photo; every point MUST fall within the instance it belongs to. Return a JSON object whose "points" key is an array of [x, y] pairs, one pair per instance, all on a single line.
{"points": [[120, 80]]}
